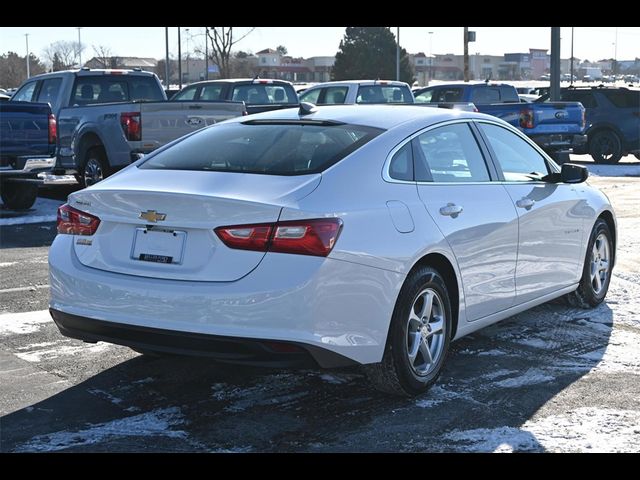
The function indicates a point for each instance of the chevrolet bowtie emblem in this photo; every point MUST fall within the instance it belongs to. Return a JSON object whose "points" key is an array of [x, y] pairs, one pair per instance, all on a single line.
{"points": [[152, 216]]}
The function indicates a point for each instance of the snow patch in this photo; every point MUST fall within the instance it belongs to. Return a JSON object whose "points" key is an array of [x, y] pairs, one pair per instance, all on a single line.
{"points": [[25, 322], [492, 352], [437, 395], [532, 376], [156, 423], [44, 210], [63, 351], [7, 264]]}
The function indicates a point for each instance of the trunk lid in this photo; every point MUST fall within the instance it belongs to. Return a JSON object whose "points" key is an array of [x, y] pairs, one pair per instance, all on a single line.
{"points": [[186, 206]]}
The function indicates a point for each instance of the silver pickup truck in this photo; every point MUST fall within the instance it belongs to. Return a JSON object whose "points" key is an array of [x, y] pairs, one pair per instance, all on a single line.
{"points": [[109, 118]]}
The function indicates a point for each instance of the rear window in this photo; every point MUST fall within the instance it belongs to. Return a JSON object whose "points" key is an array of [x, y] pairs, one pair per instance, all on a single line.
{"points": [[114, 88], [296, 148], [383, 94], [264, 94]]}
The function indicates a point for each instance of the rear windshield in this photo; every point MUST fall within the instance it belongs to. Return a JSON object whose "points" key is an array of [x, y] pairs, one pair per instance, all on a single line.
{"points": [[384, 94], [264, 94], [296, 148], [114, 88]]}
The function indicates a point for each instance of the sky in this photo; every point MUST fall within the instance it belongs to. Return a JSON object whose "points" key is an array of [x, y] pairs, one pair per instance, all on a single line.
{"points": [[592, 43]]}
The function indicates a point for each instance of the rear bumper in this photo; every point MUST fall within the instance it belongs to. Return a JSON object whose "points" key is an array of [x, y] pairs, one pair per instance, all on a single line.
{"points": [[562, 142], [319, 303], [26, 167], [224, 349]]}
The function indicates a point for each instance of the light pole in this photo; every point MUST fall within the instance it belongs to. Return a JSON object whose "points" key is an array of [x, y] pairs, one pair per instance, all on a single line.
{"points": [[430, 57], [571, 83], [187, 32], [615, 56], [79, 48], [398, 54], [179, 60], [166, 57], [206, 53], [26, 37]]}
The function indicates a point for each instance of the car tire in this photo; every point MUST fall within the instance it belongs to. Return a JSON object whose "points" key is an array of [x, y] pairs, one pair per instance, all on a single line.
{"points": [[95, 167], [18, 196], [418, 339], [596, 272], [605, 147]]}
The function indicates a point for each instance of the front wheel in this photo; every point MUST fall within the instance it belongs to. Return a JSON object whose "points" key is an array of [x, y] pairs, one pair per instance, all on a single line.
{"points": [[419, 336], [605, 147], [596, 272]]}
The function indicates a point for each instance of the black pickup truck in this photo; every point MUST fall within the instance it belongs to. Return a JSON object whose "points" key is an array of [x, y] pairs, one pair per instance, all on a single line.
{"points": [[28, 134], [258, 94]]}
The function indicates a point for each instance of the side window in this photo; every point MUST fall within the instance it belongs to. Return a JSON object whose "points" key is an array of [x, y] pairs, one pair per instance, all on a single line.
{"points": [[311, 95], [508, 94], [424, 97], [50, 90], [448, 94], [25, 94], [209, 92], [585, 98], [401, 166], [186, 94], [623, 98], [519, 161], [335, 95], [450, 154]]}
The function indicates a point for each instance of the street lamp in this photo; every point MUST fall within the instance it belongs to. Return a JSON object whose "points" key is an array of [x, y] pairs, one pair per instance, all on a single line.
{"points": [[79, 48], [26, 37], [187, 32], [430, 57]]}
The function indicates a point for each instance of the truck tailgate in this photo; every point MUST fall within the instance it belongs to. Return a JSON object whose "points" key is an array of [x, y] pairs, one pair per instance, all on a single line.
{"points": [[163, 122], [557, 117]]}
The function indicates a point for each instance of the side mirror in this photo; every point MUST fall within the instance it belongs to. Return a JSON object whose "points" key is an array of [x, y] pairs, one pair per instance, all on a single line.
{"points": [[572, 173]]}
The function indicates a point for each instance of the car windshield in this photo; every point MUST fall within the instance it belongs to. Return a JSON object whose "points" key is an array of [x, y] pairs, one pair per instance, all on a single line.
{"points": [[272, 148]]}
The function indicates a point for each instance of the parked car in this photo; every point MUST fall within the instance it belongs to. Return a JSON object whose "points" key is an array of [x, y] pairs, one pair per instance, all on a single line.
{"points": [[557, 127], [27, 147], [259, 94], [4, 97], [358, 91], [109, 118], [330, 236], [613, 120]]}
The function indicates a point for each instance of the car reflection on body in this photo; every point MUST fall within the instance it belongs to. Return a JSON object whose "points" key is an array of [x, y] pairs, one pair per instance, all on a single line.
{"points": [[330, 236]]}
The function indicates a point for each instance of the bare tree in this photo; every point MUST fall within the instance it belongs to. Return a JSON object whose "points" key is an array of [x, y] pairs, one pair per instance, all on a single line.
{"points": [[103, 55], [222, 41], [63, 52]]}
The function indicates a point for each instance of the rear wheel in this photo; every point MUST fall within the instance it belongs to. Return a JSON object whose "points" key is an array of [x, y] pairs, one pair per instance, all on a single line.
{"points": [[18, 195], [605, 147], [419, 337], [596, 273], [95, 168]]}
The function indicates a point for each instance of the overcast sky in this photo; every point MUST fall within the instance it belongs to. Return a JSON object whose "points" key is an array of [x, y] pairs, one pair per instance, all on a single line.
{"points": [[592, 43]]}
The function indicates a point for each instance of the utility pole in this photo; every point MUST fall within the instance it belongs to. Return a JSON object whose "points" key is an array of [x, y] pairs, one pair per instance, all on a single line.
{"points": [[430, 58], [615, 56], [26, 37], [79, 48], [555, 64], [466, 54], [166, 56], [179, 61], [187, 31], [571, 82], [206, 53], [398, 54]]}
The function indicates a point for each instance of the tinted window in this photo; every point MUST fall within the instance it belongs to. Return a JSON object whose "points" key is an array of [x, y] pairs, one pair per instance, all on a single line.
{"points": [[210, 92], [519, 161], [50, 90], [401, 166], [484, 95], [448, 94], [188, 93], [623, 98], [144, 88], [311, 95], [100, 89], [335, 95], [263, 94], [383, 94], [261, 147], [508, 94], [424, 97], [450, 154], [584, 97], [25, 94]]}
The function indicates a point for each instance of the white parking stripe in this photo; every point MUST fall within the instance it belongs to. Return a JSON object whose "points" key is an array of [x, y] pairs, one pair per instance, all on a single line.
{"points": [[23, 289]]}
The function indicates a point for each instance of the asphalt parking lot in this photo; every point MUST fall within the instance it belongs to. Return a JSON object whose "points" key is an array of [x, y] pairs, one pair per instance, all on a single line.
{"points": [[554, 378]]}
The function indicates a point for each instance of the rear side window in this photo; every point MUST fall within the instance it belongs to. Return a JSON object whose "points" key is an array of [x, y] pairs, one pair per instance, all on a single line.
{"points": [[296, 148], [311, 95], [584, 97], [441, 95], [144, 88], [50, 90], [210, 92], [25, 94], [383, 94], [401, 166], [335, 95], [623, 98], [186, 94], [264, 94]]}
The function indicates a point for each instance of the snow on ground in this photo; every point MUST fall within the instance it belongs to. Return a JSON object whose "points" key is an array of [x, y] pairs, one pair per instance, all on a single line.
{"points": [[26, 322], [44, 210], [157, 423]]}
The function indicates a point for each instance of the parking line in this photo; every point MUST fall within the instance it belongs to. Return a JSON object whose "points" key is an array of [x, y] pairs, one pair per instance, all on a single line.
{"points": [[22, 289]]}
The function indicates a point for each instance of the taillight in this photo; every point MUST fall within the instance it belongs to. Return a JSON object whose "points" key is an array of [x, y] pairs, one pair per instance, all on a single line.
{"points": [[526, 118], [53, 129], [131, 125], [303, 237], [76, 222]]}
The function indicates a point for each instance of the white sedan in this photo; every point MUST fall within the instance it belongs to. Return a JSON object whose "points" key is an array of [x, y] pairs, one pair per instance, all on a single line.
{"points": [[330, 236]]}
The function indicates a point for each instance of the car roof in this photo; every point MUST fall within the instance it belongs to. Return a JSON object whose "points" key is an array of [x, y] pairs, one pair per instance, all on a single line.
{"points": [[93, 71], [372, 115], [361, 83], [240, 80]]}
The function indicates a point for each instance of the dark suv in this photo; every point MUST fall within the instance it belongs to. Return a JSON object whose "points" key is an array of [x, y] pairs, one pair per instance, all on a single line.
{"points": [[613, 120]]}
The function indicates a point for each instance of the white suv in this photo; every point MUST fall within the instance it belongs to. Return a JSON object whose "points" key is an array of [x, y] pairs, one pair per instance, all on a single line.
{"points": [[358, 91]]}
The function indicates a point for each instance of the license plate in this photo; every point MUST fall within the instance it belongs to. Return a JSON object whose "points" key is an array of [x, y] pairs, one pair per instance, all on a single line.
{"points": [[159, 246]]}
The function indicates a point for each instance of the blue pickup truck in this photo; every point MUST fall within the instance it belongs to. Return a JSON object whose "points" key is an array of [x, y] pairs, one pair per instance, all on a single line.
{"points": [[28, 134], [558, 127]]}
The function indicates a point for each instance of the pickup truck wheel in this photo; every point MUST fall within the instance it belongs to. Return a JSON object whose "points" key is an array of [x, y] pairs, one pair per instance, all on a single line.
{"points": [[19, 196], [95, 167], [605, 147]]}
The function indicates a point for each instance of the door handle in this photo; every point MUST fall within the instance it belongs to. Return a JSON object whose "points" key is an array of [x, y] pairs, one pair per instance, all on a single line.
{"points": [[451, 210], [525, 202], [195, 107]]}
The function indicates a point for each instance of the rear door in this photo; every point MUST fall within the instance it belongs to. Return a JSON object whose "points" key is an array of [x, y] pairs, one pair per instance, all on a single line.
{"points": [[475, 215], [550, 223]]}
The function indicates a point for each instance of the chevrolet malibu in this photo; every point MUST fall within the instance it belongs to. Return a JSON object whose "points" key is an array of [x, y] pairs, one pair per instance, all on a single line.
{"points": [[368, 235]]}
